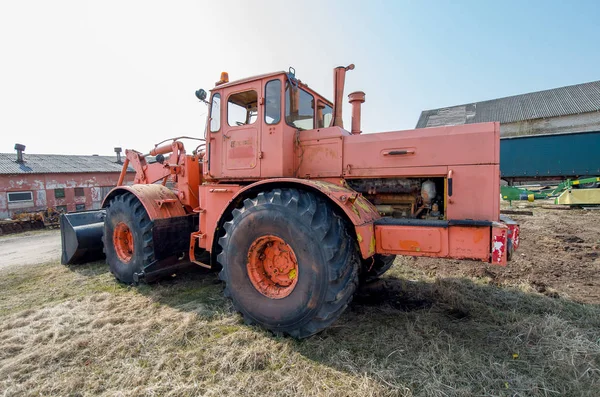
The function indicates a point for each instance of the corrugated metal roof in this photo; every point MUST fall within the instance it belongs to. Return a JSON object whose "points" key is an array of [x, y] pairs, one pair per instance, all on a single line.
{"points": [[563, 101], [57, 164]]}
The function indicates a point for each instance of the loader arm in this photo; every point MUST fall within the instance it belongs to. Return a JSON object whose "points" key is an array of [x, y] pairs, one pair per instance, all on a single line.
{"points": [[144, 172], [184, 170]]}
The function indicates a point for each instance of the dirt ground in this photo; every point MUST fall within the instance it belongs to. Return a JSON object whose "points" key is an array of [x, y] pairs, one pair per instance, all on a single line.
{"points": [[428, 328], [29, 248], [559, 255]]}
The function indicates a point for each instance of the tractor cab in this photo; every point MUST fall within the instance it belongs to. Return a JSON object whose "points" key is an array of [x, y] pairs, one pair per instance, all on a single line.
{"points": [[253, 123]]}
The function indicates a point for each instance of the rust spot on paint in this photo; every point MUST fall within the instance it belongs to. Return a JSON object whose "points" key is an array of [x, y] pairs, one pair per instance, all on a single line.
{"points": [[362, 203], [478, 235], [409, 245], [372, 245], [332, 153], [329, 187], [241, 149]]}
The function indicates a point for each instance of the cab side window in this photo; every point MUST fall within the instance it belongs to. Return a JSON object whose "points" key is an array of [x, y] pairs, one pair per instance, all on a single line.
{"points": [[215, 113], [299, 108], [242, 108], [273, 102], [324, 115]]}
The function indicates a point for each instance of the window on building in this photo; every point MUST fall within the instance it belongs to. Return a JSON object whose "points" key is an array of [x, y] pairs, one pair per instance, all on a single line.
{"points": [[215, 113], [242, 108], [79, 192], [273, 102], [79, 207], [59, 193], [62, 208], [299, 108], [15, 197]]}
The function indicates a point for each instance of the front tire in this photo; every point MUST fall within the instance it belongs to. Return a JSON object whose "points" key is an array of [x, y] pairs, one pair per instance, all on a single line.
{"points": [[127, 238], [288, 262]]}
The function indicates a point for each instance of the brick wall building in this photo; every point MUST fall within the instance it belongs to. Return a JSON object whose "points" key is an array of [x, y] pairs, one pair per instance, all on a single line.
{"points": [[34, 182]]}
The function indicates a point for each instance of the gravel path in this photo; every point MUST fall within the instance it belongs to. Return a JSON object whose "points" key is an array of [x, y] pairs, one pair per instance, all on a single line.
{"points": [[29, 248]]}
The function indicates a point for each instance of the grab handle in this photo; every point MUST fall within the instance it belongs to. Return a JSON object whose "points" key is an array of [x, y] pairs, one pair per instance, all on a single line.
{"points": [[400, 152]]}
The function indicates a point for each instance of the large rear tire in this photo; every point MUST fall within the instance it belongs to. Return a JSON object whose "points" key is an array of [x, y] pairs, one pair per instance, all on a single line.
{"points": [[127, 238], [288, 262]]}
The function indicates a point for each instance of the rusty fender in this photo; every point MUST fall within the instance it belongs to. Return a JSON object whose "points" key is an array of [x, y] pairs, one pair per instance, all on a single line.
{"points": [[159, 201], [358, 210]]}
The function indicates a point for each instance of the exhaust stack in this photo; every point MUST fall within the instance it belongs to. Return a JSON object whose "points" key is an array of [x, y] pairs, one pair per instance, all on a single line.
{"points": [[20, 149], [118, 151], [356, 99], [339, 78]]}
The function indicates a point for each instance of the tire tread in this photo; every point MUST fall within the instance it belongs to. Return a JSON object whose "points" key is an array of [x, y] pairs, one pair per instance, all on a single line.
{"points": [[341, 253]]}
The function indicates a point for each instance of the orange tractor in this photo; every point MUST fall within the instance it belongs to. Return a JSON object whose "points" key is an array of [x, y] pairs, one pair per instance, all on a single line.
{"points": [[294, 210]]}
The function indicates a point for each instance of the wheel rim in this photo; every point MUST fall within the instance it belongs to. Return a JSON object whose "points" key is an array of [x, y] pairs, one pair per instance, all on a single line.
{"points": [[123, 242], [272, 267]]}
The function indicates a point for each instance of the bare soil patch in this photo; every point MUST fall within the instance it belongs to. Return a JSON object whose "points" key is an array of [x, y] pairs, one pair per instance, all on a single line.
{"points": [[559, 256]]}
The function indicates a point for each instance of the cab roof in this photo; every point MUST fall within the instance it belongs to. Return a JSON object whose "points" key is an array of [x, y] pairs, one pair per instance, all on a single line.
{"points": [[247, 79], [267, 75]]}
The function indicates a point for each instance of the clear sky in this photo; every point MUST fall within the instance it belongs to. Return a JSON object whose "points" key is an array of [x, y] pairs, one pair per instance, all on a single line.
{"points": [[83, 77]]}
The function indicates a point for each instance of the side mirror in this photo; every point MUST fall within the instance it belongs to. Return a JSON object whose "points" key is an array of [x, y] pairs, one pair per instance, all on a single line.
{"points": [[201, 94]]}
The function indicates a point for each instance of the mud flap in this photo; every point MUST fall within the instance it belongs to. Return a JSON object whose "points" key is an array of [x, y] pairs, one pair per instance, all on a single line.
{"points": [[171, 236], [171, 240], [81, 236]]}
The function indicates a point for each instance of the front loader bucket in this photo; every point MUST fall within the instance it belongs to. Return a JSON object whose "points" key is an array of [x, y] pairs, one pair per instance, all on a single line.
{"points": [[81, 236]]}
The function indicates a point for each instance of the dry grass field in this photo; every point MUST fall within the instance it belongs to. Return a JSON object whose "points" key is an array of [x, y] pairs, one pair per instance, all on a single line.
{"points": [[428, 328]]}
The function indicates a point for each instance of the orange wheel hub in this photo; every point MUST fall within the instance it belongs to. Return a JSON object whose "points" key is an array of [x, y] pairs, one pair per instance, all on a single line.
{"points": [[123, 242], [272, 267]]}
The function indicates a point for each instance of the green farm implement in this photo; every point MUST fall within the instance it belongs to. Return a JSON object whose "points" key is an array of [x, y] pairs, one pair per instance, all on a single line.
{"points": [[585, 191]]}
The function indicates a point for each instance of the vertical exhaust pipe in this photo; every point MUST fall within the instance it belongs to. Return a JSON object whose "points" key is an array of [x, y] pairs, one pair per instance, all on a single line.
{"points": [[339, 78], [356, 99]]}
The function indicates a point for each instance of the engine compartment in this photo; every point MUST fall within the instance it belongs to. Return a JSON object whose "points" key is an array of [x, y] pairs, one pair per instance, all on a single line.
{"points": [[415, 198]]}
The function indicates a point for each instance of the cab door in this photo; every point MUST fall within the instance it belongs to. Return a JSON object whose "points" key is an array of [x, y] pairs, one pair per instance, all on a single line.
{"points": [[241, 131]]}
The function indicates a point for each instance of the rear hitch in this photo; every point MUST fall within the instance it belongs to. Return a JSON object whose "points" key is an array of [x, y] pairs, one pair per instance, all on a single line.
{"points": [[513, 240], [139, 277], [510, 249]]}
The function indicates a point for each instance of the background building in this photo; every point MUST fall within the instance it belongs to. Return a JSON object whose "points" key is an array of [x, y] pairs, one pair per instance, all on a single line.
{"points": [[545, 136], [34, 182], [574, 108]]}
